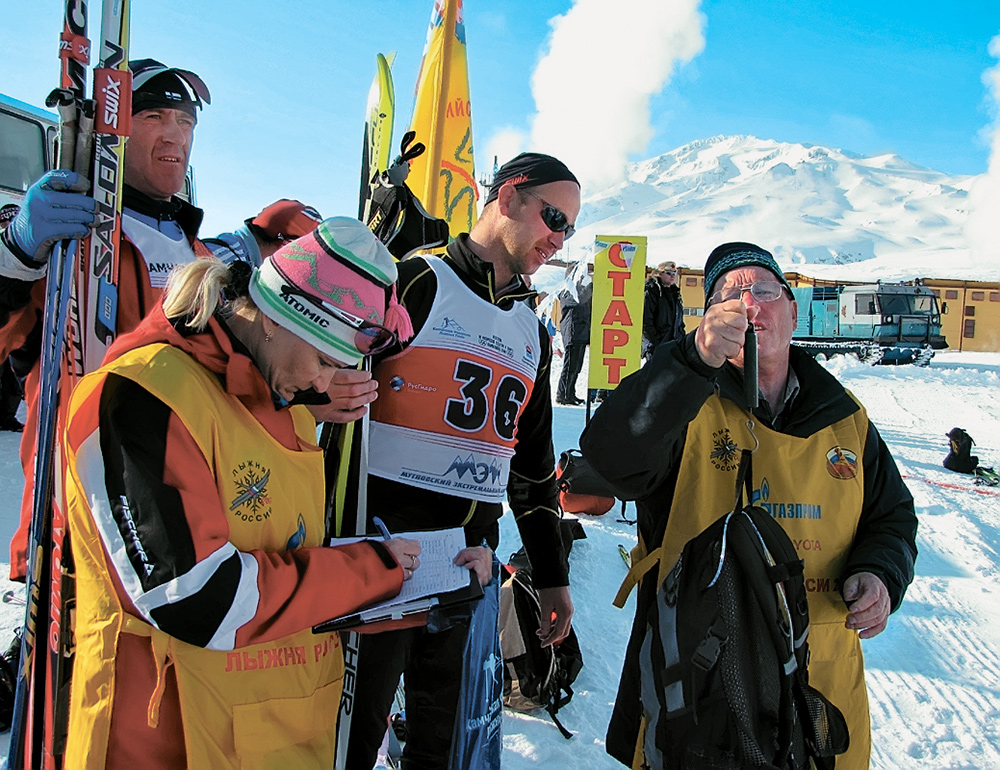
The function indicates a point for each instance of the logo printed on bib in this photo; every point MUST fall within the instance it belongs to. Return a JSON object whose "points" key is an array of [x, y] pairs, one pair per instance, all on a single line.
{"points": [[842, 463], [449, 327], [252, 503], [787, 510], [725, 450]]}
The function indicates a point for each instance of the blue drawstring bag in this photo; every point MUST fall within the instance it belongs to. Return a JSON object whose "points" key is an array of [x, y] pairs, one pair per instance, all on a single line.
{"points": [[477, 739]]}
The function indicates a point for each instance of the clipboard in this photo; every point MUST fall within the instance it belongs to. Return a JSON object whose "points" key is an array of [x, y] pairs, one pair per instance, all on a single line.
{"points": [[383, 618]]}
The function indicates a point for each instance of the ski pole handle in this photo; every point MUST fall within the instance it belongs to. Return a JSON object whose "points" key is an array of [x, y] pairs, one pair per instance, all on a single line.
{"points": [[750, 381]]}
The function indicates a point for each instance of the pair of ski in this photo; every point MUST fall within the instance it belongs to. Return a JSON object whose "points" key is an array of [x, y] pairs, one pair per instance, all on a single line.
{"points": [[79, 323], [352, 439]]}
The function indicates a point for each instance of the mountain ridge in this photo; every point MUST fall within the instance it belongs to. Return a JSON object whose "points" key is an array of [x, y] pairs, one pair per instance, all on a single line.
{"points": [[825, 212]]}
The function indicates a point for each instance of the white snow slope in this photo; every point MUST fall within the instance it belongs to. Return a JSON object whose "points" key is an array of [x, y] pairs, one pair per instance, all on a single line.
{"points": [[933, 675], [824, 212]]}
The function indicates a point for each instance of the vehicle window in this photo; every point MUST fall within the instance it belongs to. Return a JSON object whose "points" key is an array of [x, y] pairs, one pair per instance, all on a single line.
{"points": [[896, 304], [864, 304], [22, 152]]}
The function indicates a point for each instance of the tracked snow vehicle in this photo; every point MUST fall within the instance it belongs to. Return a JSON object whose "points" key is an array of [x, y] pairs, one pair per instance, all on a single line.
{"points": [[880, 323]]}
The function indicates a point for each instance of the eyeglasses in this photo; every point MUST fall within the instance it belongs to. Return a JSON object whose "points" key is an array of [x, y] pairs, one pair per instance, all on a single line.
{"points": [[369, 337], [553, 218], [762, 291], [669, 272]]}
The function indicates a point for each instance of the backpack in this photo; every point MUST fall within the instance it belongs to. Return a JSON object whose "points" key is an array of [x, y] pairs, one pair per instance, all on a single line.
{"points": [[960, 458], [396, 215], [581, 490], [533, 677], [724, 655]]}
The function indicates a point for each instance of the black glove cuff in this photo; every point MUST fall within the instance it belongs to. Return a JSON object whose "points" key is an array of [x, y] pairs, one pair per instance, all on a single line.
{"points": [[17, 251]]}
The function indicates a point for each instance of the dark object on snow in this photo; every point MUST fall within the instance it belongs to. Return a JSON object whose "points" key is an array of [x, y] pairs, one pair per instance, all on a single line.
{"points": [[960, 458], [725, 683], [987, 476], [581, 490]]}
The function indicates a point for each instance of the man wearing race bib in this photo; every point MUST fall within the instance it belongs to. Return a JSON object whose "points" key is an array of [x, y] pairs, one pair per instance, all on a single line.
{"points": [[463, 421]]}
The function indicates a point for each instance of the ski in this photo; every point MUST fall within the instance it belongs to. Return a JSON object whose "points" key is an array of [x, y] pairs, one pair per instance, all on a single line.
{"points": [[113, 95], [38, 728], [353, 444], [27, 737], [376, 145]]}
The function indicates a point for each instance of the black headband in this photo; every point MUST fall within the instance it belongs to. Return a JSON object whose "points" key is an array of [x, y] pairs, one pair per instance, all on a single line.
{"points": [[530, 169]]}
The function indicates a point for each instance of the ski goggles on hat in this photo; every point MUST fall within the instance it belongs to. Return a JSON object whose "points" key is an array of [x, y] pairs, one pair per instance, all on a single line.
{"points": [[369, 337], [762, 291], [553, 218], [144, 70]]}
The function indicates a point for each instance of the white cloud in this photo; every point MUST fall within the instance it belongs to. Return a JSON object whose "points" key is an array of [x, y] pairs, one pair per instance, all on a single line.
{"points": [[983, 227], [593, 85], [506, 143]]}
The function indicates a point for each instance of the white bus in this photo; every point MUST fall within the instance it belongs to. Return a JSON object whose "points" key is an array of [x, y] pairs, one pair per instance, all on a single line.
{"points": [[27, 146]]}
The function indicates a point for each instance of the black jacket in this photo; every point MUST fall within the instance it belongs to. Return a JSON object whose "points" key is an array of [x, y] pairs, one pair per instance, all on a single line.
{"points": [[636, 441], [662, 313], [574, 323], [531, 489]]}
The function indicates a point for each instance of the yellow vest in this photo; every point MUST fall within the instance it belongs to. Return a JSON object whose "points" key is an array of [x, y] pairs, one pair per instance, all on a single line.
{"points": [[813, 487], [270, 705]]}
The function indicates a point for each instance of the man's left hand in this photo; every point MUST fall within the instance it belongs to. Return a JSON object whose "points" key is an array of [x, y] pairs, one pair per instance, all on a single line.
{"points": [[556, 614], [478, 559], [868, 601], [350, 392]]}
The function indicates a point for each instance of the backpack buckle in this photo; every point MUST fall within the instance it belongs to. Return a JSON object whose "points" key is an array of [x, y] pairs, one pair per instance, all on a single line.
{"points": [[706, 654]]}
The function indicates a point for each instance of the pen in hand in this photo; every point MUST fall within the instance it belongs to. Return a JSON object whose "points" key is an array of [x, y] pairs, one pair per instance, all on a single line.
{"points": [[382, 528], [408, 549]]}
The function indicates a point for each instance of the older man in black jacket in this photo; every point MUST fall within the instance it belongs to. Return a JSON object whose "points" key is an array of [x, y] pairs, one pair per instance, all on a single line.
{"points": [[670, 437]]}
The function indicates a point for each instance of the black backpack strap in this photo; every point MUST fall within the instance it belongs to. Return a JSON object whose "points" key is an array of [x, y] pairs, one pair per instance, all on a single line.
{"points": [[552, 708], [744, 479]]}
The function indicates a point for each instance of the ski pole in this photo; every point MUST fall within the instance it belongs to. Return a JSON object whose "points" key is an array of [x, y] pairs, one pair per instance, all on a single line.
{"points": [[10, 597]]}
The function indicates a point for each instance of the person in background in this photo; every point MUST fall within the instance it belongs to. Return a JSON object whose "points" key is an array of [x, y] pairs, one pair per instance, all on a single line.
{"points": [[574, 326], [196, 500], [10, 399], [464, 421], [662, 310], [670, 436], [11, 394], [262, 235]]}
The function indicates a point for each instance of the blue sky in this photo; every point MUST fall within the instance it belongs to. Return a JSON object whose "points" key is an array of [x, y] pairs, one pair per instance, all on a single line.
{"points": [[290, 80]]}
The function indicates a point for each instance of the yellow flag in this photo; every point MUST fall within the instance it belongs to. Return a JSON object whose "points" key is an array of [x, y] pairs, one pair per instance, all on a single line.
{"points": [[616, 320], [444, 177]]}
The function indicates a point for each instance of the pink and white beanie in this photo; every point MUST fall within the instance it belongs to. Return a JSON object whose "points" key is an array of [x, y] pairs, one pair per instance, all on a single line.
{"points": [[341, 266]]}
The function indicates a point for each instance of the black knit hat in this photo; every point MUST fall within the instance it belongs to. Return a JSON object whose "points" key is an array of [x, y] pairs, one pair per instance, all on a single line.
{"points": [[738, 254], [156, 86], [530, 169]]}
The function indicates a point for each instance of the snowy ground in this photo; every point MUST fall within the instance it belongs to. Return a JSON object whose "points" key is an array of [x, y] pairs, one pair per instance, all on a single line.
{"points": [[934, 675]]}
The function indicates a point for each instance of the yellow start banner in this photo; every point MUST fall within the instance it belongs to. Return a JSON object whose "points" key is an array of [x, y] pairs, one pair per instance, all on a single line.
{"points": [[616, 320]]}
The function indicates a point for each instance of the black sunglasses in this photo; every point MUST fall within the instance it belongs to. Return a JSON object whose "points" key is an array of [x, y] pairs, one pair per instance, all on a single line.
{"points": [[369, 337], [553, 218]]}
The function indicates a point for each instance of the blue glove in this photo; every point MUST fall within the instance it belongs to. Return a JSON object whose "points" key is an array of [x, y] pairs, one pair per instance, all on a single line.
{"points": [[49, 214]]}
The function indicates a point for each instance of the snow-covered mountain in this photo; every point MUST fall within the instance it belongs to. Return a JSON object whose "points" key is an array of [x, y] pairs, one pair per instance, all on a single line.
{"points": [[823, 212]]}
